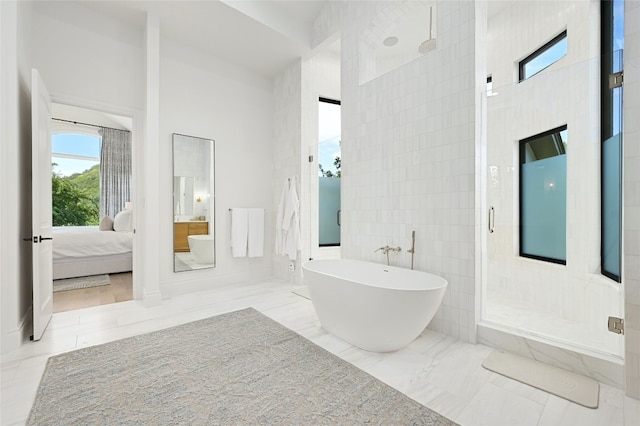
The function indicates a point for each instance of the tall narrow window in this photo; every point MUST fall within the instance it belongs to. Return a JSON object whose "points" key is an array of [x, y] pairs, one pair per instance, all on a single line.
{"points": [[612, 44], [329, 161], [543, 196], [545, 56], [75, 179]]}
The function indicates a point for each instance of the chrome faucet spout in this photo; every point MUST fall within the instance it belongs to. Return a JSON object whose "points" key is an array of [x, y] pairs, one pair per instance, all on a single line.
{"points": [[386, 249]]}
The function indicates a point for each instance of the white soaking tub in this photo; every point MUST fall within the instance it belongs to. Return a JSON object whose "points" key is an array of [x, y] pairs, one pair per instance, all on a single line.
{"points": [[376, 307]]}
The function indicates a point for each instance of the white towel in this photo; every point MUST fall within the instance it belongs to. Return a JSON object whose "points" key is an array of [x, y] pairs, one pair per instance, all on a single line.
{"points": [[256, 233], [239, 232], [291, 222]]}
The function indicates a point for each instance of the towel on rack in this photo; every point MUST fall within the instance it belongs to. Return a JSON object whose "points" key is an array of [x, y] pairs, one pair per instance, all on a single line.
{"points": [[239, 232], [256, 232]]}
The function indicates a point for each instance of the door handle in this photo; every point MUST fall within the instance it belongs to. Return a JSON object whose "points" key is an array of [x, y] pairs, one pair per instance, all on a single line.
{"points": [[338, 217], [37, 239], [492, 219]]}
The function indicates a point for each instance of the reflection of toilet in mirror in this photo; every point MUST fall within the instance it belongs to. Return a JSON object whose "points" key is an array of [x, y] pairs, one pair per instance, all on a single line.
{"points": [[201, 247]]}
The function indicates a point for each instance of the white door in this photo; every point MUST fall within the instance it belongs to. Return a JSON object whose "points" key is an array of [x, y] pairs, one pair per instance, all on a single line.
{"points": [[41, 204]]}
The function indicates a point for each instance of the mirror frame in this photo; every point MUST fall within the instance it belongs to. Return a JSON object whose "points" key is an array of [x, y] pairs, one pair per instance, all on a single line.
{"points": [[206, 214]]}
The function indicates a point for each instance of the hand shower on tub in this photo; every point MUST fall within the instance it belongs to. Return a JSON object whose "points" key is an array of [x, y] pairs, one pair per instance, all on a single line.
{"points": [[412, 250]]}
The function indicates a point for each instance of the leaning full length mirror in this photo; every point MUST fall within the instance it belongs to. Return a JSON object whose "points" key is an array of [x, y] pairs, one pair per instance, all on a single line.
{"points": [[193, 203]]}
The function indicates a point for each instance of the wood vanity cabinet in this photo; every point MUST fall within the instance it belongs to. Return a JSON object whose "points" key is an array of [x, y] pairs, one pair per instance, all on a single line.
{"points": [[181, 230]]}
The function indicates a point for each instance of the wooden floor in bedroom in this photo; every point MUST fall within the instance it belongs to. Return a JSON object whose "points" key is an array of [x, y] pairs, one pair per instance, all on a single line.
{"points": [[120, 290]]}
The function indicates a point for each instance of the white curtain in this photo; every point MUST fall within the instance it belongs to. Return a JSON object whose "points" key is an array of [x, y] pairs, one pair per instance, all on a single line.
{"points": [[115, 171]]}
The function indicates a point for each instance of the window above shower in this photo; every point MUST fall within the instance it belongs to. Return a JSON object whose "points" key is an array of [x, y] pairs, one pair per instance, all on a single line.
{"points": [[544, 57]]}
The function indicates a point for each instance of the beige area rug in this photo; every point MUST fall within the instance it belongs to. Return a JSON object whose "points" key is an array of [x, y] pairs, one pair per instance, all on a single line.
{"points": [[565, 384], [80, 282], [236, 368]]}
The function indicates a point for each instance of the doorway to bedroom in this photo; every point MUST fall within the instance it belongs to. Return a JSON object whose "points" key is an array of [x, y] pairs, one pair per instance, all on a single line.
{"points": [[92, 208]]}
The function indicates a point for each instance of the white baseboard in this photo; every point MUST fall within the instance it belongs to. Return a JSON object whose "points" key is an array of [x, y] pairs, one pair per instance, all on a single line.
{"points": [[152, 298], [178, 288], [14, 338]]}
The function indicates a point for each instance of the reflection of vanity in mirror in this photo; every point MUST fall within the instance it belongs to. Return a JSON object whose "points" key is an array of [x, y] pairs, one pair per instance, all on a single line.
{"points": [[193, 203]]}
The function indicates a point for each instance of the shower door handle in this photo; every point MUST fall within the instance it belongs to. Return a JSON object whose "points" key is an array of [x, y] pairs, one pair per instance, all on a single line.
{"points": [[492, 219], [338, 217]]}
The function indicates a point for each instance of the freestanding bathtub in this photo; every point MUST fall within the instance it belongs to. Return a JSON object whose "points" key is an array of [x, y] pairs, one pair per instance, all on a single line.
{"points": [[376, 307], [201, 247]]}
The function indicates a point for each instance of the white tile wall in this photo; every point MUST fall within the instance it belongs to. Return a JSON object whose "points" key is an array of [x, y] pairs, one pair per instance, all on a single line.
{"points": [[408, 152], [632, 198], [287, 150]]}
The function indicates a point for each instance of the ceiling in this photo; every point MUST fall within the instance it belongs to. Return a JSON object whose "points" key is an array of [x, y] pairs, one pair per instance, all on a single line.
{"points": [[263, 36]]}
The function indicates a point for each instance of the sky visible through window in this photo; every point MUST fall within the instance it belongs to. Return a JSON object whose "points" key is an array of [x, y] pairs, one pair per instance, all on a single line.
{"points": [[550, 56], [74, 153], [618, 47], [328, 135]]}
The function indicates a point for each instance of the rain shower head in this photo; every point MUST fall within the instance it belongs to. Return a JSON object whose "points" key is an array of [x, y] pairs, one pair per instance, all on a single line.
{"points": [[430, 44], [427, 46]]}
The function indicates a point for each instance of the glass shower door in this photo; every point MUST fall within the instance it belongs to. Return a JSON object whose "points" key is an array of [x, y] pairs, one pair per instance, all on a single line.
{"points": [[542, 209]]}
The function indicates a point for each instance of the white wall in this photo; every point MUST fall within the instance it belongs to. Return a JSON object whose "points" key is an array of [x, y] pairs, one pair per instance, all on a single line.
{"points": [[86, 56], [85, 59], [237, 113], [408, 154], [15, 150], [95, 61]]}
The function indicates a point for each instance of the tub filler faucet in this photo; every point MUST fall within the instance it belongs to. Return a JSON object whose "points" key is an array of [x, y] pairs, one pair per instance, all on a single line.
{"points": [[387, 249]]}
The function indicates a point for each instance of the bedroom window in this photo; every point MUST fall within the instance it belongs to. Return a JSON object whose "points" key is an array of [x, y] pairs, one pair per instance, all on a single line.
{"points": [[75, 179]]}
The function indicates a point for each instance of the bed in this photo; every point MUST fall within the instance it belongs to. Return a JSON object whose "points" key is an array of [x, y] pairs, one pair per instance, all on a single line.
{"points": [[85, 250]]}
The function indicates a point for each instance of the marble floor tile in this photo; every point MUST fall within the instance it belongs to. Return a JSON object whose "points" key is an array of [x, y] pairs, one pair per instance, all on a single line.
{"points": [[560, 411], [438, 371], [495, 406], [631, 411]]}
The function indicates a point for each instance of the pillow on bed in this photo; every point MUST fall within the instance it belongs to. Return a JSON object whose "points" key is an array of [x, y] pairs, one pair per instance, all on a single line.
{"points": [[106, 224], [123, 221]]}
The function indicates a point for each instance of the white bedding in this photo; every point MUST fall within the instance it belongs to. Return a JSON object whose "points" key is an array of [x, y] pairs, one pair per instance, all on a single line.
{"points": [[87, 243]]}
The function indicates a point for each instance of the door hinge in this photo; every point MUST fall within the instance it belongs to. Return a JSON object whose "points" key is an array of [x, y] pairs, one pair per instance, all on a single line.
{"points": [[616, 325], [311, 158], [616, 79]]}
